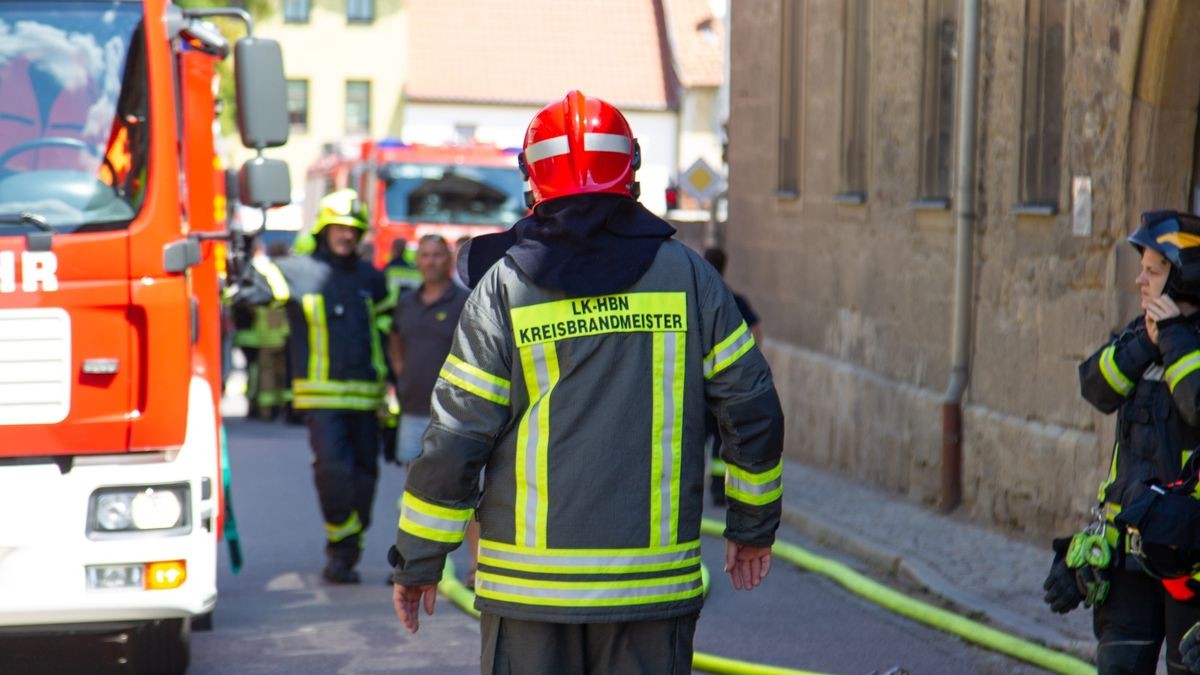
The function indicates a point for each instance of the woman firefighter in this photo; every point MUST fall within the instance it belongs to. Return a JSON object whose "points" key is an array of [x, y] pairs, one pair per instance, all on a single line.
{"points": [[1149, 374]]}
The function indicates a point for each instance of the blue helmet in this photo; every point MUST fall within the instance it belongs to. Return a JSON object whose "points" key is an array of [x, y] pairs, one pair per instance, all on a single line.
{"points": [[1175, 235]]}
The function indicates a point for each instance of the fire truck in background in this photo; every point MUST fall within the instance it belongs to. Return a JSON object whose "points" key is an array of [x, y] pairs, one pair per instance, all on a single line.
{"points": [[111, 226], [411, 190]]}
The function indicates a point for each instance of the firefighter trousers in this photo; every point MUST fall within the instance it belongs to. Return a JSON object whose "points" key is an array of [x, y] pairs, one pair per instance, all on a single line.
{"points": [[345, 445], [516, 647], [1132, 623]]}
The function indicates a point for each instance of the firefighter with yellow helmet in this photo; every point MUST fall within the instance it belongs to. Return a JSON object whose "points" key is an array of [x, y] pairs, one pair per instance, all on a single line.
{"points": [[332, 298]]}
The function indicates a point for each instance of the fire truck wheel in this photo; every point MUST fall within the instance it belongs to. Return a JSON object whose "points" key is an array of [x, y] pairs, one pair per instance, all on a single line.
{"points": [[164, 647]]}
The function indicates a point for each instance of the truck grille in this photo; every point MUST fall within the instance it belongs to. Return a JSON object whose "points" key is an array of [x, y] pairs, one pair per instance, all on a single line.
{"points": [[35, 366]]}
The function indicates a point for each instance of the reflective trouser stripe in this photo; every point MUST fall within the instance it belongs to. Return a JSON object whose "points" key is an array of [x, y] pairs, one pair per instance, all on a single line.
{"points": [[318, 336], [430, 521], [352, 526], [587, 593], [666, 431], [540, 365], [1112, 374], [1180, 369], [476, 380], [728, 351], [755, 489], [275, 280], [588, 561]]}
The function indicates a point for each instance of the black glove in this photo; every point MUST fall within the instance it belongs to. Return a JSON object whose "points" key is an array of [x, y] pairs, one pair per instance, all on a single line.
{"points": [[388, 440], [1062, 590], [1189, 649]]}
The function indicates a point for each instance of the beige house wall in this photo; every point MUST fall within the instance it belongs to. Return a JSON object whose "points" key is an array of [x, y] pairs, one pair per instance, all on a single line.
{"points": [[328, 51], [856, 299]]}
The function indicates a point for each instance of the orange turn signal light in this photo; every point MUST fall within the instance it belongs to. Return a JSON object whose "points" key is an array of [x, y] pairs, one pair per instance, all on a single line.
{"points": [[165, 575]]}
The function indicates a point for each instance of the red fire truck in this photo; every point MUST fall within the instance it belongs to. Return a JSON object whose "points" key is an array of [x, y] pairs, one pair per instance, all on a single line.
{"points": [[455, 190], [111, 216]]}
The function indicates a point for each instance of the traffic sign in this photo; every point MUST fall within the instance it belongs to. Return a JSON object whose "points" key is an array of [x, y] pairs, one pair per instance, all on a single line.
{"points": [[702, 181]]}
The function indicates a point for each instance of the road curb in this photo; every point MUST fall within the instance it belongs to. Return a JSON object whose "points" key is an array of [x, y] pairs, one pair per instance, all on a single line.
{"points": [[969, 604]]}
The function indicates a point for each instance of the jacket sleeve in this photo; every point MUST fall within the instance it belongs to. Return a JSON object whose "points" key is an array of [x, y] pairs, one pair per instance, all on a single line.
{"points": [[266, 285], [1179, 341], [470, 408], [1107, 377], [741, 395]]}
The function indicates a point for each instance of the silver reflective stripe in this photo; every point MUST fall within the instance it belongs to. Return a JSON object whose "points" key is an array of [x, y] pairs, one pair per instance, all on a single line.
{"points": [[616, 562], [667, 441], [432, 522], [551, 147], [711, 363], [734, 483], [475, 380], [538, 352], [606, 143], [581, 592]]}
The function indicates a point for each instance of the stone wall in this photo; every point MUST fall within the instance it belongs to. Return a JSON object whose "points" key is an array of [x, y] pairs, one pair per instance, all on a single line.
{"points": [[856, 300]]}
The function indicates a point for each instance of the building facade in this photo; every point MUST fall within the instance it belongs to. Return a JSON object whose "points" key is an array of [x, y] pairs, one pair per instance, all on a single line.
{"points": [[841, 227]]}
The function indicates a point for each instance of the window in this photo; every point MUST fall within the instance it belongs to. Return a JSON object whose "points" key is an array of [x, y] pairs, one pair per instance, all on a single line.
{"points": [[791, 107], [360, 11], [358, 107], [297, 105], [296, 11], [937, 103], [1042, 108], [855, 77]]}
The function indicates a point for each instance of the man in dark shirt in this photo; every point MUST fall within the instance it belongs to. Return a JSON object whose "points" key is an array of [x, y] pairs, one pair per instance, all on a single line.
{"points": [[420, 340]]}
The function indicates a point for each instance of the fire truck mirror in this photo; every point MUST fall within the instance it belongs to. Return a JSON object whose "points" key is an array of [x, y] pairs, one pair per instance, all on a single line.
{"points": [[261, 93], [264, 183]]}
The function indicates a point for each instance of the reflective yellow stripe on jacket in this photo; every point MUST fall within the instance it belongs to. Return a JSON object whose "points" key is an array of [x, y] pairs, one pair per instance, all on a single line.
{"points": [[755, 489], [1181, 369], [728, 351], [1113, 375], [476, 380], [626, 576], [430, 521]]}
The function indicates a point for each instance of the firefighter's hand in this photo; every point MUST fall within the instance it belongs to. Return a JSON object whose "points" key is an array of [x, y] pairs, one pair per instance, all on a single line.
{"points": [[1062, 589], [747, 565], [407, 600], [1189, 649]]}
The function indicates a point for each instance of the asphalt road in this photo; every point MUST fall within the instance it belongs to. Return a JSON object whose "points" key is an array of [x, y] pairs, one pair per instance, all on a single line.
{"points": [[276, 616]]}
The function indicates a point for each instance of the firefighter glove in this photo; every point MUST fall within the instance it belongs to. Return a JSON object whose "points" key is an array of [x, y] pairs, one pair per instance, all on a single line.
{"points": [[1062, 591], [1189, 649]]}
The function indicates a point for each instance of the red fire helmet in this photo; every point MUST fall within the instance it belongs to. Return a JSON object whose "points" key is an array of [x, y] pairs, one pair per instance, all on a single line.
{"points": [[579, 145]]}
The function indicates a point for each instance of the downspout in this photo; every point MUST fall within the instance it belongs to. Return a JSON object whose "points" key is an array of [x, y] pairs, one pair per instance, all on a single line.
{"points": [[964, 221]]}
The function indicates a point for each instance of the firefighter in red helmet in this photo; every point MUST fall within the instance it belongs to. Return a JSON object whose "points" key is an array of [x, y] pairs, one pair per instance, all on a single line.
{"points": [[579, 377]]}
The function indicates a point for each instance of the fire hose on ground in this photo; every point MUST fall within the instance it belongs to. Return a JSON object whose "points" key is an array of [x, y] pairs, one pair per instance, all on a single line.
{"points": [[859, 584]]}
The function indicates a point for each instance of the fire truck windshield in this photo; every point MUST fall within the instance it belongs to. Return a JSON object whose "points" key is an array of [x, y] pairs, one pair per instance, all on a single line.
{"points": [[74, 127], [453, 194]]}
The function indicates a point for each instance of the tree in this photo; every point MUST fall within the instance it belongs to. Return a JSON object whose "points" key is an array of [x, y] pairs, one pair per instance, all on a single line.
{"points": [[232, 29]]}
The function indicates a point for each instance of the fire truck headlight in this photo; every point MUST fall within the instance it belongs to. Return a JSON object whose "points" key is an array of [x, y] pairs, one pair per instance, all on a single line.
{"points": [[158, 508]]}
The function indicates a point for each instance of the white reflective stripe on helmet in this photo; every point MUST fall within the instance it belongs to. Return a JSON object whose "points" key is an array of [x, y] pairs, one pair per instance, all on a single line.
{"points": [[551, 147], [606, 143]]}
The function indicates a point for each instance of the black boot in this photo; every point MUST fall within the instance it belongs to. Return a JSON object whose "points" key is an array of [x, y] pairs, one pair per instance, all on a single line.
{"points": [[338, 571]]}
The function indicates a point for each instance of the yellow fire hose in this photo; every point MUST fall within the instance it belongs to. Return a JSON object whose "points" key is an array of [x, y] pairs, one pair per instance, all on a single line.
{"points": [[971, 631]]}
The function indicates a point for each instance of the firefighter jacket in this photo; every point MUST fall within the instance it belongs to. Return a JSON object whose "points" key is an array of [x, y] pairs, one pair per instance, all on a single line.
{"points": [[1156, 393], [333, 343], [588, 413]]}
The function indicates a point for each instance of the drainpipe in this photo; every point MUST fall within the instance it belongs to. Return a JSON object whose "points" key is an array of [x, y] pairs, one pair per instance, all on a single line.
{"points": [[964, 221]]}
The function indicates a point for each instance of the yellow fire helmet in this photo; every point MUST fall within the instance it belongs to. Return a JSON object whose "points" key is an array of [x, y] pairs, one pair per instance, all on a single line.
{"points": [[342, 207]]}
